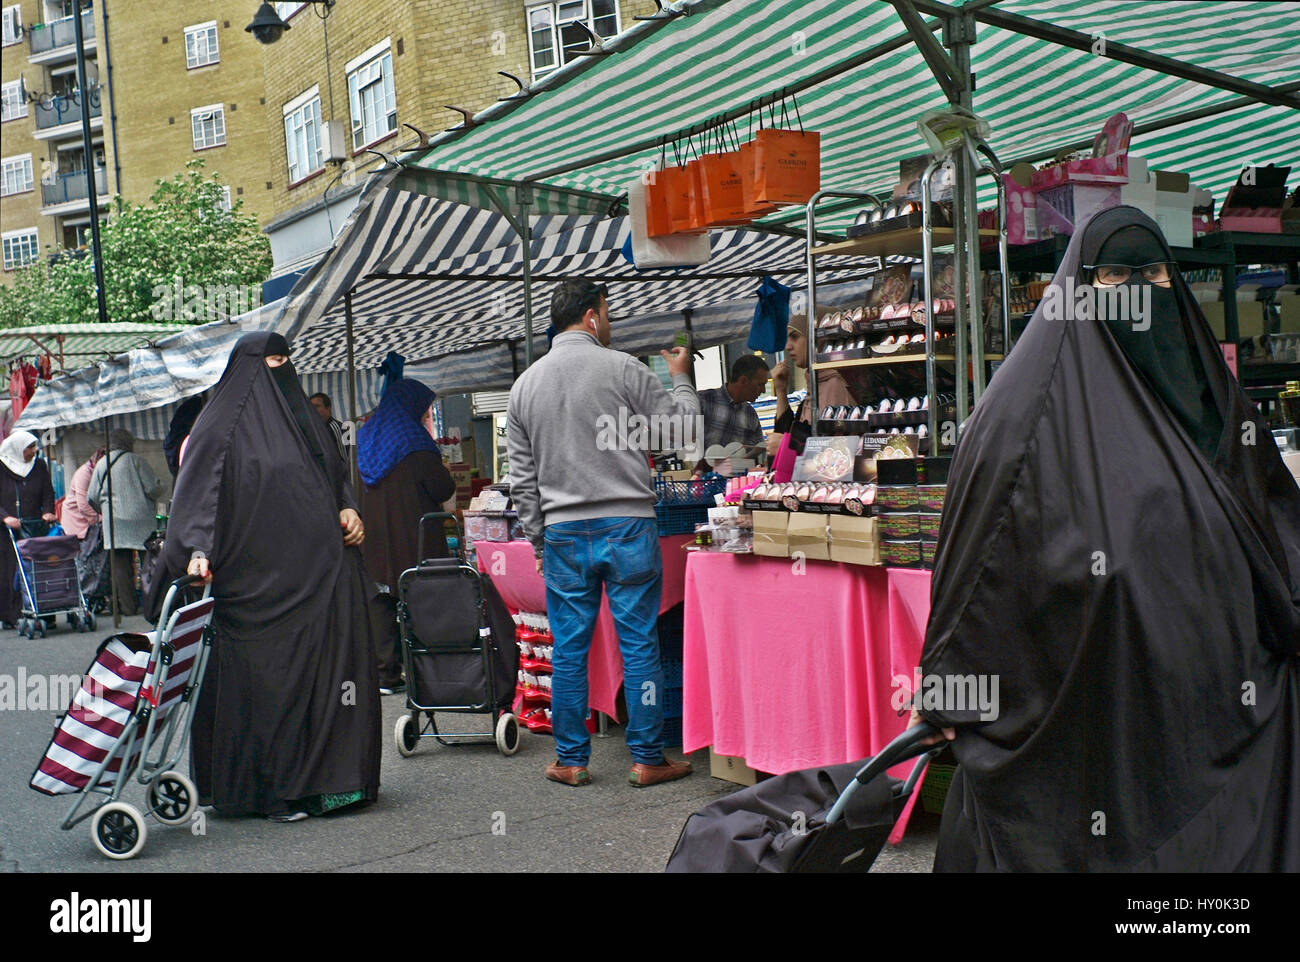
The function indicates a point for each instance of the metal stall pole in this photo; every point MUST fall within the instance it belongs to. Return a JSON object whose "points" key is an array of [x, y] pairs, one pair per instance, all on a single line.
{"points": [[927, 269], [112, 568], [525, 228], [995, 168], [958, 35], [92, 195], [810, 241], [352, 388]]}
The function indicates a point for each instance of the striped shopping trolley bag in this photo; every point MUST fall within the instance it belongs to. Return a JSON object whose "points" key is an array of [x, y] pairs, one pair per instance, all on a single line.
{"points": [[131, 718]]}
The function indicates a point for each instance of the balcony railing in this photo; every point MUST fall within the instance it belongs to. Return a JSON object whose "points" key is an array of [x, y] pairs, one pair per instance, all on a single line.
{"points": [[59, 33], [63, 110], [71, 186]]}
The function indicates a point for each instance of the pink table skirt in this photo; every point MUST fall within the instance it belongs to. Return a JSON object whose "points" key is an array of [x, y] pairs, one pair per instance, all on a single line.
{"points": [[795, 670], [514, 572]]}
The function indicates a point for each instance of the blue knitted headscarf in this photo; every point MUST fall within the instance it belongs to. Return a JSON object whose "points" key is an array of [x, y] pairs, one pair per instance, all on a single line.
{"points": [[394, 431]]}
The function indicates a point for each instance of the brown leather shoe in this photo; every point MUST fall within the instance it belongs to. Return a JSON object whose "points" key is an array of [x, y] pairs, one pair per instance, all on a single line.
{"points": [[568, 774], [643, 775]]}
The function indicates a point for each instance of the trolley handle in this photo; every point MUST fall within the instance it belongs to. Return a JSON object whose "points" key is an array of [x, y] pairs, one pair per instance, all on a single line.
{"points": [[437, 516], [907, 745], [180, 584]]}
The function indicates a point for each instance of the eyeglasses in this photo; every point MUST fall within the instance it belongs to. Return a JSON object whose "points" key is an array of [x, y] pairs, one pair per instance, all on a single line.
{"points": [[1160, 273]]}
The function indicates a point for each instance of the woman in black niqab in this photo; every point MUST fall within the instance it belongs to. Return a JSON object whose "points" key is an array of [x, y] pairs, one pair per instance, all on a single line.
{"points": [[1121, 548], [288, 720]]}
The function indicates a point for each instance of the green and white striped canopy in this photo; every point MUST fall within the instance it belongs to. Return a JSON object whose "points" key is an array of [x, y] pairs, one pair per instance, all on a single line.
{"points": [[663, 77]]}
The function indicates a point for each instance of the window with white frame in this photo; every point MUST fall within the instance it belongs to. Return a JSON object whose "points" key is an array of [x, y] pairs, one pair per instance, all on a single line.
{"points": [[12, 103], [553, 38], [13, 24], [224, 203], [287, 10], [209, 124], [302, 134], [17, 175], [20, 248], [201, 45], [370, 93]]}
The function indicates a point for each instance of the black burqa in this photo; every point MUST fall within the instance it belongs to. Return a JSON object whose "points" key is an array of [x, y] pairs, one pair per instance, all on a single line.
{"points": [[290, 705], [1134, 587]]}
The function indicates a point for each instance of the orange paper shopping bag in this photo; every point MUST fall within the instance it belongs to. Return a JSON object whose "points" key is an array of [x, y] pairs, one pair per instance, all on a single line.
{"points": [[678, 186], [722, 194], [752, 206], [658, 214], [787, 165]]}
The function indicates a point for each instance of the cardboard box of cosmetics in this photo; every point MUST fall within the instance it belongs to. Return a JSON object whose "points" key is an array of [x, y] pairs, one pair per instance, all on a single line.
{"points": [[854, 540], [770, 537], [806, 534]]}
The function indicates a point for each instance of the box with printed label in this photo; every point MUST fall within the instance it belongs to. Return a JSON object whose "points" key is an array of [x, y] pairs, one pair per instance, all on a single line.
{"points": [[854, 540]]}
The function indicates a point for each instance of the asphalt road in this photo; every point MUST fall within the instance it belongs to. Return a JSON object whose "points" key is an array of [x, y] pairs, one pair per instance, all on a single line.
{"points": [[446, 809]]}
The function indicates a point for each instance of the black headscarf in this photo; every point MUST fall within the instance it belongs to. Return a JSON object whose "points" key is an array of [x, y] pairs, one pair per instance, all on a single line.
{"points": [[1166, 352], [179, 429], [286, 379], [1137, 602]]}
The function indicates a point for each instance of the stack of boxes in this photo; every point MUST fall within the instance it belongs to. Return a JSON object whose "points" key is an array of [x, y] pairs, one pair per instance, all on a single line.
{"points": [[909, 498]]}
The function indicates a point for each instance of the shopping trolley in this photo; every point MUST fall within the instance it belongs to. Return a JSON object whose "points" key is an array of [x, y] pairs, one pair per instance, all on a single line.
{"points": [[131, 718], [50, 578], [458, 649], [833, 819]]}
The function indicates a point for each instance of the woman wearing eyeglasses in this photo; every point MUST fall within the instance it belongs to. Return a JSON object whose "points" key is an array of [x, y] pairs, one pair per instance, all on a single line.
{"points": [[1121, 551]]}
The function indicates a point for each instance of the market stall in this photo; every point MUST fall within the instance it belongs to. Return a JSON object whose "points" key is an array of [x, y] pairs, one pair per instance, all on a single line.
{"points": [[514, 572]]}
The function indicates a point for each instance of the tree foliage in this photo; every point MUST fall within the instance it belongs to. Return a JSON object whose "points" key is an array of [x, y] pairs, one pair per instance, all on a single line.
{"points": [[182, 239]]}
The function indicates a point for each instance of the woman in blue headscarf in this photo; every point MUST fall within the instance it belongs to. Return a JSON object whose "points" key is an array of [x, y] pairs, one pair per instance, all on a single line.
{"points": [[404, 479]]}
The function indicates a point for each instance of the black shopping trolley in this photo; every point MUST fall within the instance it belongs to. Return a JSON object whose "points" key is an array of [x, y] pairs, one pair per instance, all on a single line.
{"points": [[458, 649], [50, 578], [131, 718], [832, 819]]}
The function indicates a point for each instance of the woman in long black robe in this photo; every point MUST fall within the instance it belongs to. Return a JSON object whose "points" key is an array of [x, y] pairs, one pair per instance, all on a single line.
{"points": [[1121, 548], [288, 720]]}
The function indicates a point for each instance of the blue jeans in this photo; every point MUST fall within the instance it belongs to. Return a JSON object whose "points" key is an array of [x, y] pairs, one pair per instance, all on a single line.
{"points": [[623, 555]]}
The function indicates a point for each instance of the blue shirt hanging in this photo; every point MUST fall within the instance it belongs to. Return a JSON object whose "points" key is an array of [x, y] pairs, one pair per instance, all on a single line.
{"points": [[771, 317]]}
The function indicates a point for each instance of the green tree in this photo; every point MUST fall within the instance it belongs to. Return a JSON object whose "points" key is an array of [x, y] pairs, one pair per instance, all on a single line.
{"points": [[181, 241]]}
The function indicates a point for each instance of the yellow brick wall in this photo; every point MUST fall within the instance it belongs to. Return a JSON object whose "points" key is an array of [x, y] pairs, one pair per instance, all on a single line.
{"points": [[154, 92], [444, 52], [19, 211]]}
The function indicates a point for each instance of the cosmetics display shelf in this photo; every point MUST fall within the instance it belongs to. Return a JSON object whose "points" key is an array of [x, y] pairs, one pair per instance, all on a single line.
{"points": [[906, 359], [894, 243]]}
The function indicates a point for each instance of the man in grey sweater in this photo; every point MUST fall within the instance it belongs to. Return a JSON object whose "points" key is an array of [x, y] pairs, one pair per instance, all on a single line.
{"points": [[581, 422]]}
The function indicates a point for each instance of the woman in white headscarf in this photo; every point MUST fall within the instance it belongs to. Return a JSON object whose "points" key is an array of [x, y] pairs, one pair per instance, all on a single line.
{"points": [[25, 494]]}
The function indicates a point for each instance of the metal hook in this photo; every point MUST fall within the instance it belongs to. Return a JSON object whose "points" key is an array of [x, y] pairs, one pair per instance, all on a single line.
{"points": [[521, 93], [468, 118]]}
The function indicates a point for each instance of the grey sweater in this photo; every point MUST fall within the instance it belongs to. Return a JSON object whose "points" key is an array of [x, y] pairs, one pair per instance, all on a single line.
{"points": [[131, 518], [579, 428]]}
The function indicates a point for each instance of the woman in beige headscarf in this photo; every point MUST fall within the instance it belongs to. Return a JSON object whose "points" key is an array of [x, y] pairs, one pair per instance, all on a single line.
{"points": [[25, 493], [832, 389]]}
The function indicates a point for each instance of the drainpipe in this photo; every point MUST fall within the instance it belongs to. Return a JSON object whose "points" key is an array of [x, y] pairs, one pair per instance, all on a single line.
{"points": [[112, 102]]}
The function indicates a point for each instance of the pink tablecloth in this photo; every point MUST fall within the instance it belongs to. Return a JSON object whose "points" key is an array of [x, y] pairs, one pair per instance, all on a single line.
{"points": [[794, 670], [514, 573]]}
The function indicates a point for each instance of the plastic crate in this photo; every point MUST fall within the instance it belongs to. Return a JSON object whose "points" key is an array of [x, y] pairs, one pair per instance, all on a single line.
{"points": [[672, 701], [670, 632], [673, 732], [689, 492], [680, 518], [934, 790]]}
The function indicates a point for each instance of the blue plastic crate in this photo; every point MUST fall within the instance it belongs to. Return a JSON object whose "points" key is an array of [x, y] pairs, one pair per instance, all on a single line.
{"points": [[673, 732], [672, 670], [672, 701], [680, 518], [689, 492]]}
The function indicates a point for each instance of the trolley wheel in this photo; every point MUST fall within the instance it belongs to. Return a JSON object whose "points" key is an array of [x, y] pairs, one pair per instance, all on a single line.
{"points": [[38, 628], [407, 735], [91, 621], [22, 627], [74, 620], [171, 797], [507, 734], [118, 830]]}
